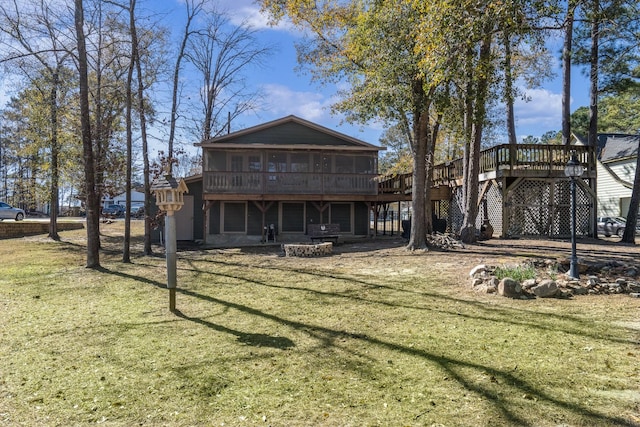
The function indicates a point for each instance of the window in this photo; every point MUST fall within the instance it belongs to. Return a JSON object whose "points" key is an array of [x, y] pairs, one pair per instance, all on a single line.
{"points": [[255, 164], [341, 214], [277, 162], [300, 162], [365, 164], [216, 161], [236, 166], [293, 217], [234, 217], [344, 164]]}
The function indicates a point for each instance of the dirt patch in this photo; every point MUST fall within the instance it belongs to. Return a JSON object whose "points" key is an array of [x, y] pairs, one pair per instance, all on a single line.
{"points": [[388, 255]]}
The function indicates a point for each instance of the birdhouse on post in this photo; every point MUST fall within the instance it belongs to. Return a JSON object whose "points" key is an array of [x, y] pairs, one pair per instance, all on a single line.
{"points": [[170, 198], [169, 193]]}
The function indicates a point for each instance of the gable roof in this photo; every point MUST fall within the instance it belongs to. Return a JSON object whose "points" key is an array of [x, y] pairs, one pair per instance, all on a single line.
{"points": [[617, 147], [614, 146], [286, 133]]}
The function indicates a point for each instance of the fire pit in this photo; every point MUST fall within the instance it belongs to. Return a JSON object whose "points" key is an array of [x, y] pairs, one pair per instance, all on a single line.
{"points": [[308, 249]]}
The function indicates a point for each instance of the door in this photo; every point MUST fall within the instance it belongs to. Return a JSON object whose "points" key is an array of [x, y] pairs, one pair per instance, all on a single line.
{"points": [[184, 220]]}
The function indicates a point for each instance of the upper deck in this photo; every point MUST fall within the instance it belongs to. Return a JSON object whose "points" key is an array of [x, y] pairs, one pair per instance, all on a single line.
{"points": [[504, 161]]}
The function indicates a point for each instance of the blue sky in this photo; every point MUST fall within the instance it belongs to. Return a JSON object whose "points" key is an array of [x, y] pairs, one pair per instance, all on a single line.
{"points": [[292, 93], [288, 92]]}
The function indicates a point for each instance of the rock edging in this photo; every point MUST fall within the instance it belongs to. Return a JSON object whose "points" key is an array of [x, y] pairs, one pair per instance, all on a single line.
{"points": [[551, 282]]}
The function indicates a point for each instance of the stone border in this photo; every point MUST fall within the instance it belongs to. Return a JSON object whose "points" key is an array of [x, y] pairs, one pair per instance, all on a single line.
{"points": [[308, 250], [597, 279]]}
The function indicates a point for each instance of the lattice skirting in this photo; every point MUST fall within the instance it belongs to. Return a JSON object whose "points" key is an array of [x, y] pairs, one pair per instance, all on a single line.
{"points": [[533, 207]]}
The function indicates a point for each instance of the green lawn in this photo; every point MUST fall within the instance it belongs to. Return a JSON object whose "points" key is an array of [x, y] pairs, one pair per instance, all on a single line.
{"points": [[263, 340]]}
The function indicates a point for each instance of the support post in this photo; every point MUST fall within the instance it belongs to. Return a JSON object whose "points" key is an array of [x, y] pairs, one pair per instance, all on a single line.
{"points": [[573, 268], [171, 249]]}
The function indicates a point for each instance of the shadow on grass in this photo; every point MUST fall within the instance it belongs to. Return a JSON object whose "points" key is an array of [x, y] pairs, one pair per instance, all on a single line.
{"points": [[494, 314], [256, 340], [453, 368]]}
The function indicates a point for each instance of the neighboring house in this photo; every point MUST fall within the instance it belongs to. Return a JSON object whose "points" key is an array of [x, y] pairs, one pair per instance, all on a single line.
{"points": [[282, 176], [137, 197], [616, 166]]}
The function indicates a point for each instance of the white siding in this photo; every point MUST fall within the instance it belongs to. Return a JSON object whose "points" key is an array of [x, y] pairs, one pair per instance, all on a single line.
{"points": [[610, 191]]}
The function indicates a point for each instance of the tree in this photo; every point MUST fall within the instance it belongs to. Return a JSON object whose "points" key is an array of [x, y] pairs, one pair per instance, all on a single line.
{"points": [[222, 54], [193, 7], [133, 58], [567, 49], [373, 48], [397, 159], [27, 140], [92, 196], [36, 33], [629, 235], [456, 46]]}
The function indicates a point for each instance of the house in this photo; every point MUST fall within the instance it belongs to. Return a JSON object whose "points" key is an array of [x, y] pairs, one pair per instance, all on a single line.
{"points": [[616, 166], [275, 179], [137, 197]]}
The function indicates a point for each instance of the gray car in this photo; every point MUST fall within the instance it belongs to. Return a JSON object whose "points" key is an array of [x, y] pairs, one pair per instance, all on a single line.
{"points": [[9, 212], [613, 225]]}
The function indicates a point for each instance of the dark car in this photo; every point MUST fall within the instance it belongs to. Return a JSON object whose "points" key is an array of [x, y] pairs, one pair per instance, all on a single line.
{"points": [[611, 225], [113, 211], [137, 211], [9, 212]]}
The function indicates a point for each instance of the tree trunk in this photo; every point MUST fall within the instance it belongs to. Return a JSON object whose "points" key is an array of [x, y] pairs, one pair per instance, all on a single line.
{"points": [[468, 231], [418, 239], [508, 90], [629, 235], [55, 171], [145, 153], [593, 76], [566, 75], [92, 199], [126, 250]]}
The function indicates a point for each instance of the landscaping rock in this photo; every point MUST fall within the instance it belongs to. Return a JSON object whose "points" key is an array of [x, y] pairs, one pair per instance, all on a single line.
{"points": [[509, 288], [476, 282], [633, 287], [478, 270], [546, 289], [602, 278]]}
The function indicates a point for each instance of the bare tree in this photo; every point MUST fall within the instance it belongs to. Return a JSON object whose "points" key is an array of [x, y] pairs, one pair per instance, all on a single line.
{"points": [[126, 253], [222, 54], [193, 7]]}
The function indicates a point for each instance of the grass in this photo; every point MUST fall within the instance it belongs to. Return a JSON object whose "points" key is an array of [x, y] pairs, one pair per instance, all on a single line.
{"points": [[518, 273], [261, 340]]}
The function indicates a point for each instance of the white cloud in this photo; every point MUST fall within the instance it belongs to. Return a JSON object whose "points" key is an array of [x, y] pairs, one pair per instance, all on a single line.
{"points": [[246, 12], [541, 112], [283, 101]]}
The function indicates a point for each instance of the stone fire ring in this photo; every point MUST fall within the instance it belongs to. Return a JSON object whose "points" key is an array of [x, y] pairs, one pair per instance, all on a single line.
{"points": [[308, 249]]}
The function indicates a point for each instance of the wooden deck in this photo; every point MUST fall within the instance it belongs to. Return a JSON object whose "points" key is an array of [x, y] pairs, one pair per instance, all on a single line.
{"points": [[501, 161]]}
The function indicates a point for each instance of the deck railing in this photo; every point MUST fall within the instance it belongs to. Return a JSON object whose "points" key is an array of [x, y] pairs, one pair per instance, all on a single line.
{"points": [[514, 160], [289, 183]]}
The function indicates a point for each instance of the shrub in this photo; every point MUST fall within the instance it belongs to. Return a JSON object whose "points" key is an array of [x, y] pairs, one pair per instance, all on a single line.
{"points": [[518, 273]]}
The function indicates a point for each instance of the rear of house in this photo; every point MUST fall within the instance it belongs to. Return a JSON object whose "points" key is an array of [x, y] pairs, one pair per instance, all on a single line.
{"points": [[274, 179]]}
